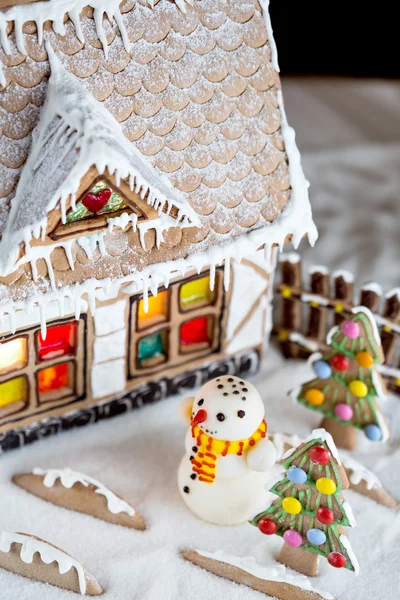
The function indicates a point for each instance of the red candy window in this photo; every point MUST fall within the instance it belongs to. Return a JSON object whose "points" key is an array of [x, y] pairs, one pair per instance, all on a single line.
{"points": [[196, 331], [55, 381], [61, 340]]}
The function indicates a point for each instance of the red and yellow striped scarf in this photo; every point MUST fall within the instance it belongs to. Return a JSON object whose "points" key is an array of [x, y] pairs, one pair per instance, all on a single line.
{"points": [[204, 463]]}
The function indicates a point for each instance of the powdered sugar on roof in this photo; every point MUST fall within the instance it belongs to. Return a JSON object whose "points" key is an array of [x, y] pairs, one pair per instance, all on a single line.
{"points": [[74, 133]]}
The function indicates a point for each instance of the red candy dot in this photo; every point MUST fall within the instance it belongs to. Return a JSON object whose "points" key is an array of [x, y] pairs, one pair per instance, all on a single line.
{"points": [[325, 516], [337, 560], [267, 526], [319, 455], [340, 362]]}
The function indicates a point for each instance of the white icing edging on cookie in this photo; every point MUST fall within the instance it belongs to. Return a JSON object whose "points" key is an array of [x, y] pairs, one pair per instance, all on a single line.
{"points": [[346, 543], [314, 298], [47, 553], [360, 473], [69, 478], [291, 257], [277, 572], [345, 275], [371, 319], [349, 513], [325, 436], [300, 339], [318, 269], [372, 286], [270, 34], [389, 371], [382, 425], [331, 333], [377, 382]]}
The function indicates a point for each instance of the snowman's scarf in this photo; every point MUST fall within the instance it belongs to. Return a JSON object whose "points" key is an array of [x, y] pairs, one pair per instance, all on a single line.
{"points": [[209, 449]]}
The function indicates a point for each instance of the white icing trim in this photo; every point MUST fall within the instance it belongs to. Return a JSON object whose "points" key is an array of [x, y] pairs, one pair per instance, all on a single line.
{"points": [[372, 320], [279, 440], [386, 323], [349, 513], [291, 257], [372, 286], [360, 473], [389, 371], [270, 34], [383, 426], [122, 221], [318, 269], [275, 572], [314, 298], [69, 478], [76, 132], [47, 553], [325, 436], [378, 385], [346, 275], [181, 4], [314, 357], [300, 339], [394, 292], [331, 333], [346, 543]]}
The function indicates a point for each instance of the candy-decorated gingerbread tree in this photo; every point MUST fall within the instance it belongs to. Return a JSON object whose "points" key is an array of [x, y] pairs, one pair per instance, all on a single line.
{"points": [[310, 511], [348, 383]]}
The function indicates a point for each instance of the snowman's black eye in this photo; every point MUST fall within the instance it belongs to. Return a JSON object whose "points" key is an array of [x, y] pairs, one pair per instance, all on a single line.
{"points": [[241, 414], [200, 402], [221, 417]]}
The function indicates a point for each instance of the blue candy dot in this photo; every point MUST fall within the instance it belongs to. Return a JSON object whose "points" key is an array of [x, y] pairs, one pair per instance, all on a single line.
{"points": [[316, 537], [322, 369], [373, 433], [297, 475]]}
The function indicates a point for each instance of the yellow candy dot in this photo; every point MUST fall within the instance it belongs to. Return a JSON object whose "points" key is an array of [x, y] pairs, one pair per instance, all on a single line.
{"points": [[314, 396], [291, 505], [283, 335], [286, 291], [339, 308], [358, 388], [364, 359], [326, 486], [397, 382]]}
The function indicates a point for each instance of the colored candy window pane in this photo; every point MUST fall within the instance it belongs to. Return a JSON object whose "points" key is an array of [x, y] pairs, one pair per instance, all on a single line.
{"points": [[57, 378], [61, 340], [13, 355], [196, 331], [100, 200], [157, 310], [14, 390], [152, 348], [196, 292]]}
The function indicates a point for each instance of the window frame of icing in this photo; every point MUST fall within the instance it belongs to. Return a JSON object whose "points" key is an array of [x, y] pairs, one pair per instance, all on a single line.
{"points": [[196, 303], [175, 354], [33, 405], [56, 230]]}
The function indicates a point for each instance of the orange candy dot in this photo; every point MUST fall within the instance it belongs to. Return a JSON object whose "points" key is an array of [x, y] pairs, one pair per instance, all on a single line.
{"points": [[364, 359], [314, 397]]}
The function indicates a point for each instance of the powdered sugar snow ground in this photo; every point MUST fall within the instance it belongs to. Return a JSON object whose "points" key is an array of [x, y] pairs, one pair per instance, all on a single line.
{"points": [[354, 194]]}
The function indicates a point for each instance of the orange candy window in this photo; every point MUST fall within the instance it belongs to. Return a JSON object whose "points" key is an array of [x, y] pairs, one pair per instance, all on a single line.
{"points": [[61, 340], [54, 379]]}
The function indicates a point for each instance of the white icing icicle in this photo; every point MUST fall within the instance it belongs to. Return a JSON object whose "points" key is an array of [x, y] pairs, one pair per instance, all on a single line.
{"points": [[274, 572], [47, 553], [69, 478], [122, 221]]}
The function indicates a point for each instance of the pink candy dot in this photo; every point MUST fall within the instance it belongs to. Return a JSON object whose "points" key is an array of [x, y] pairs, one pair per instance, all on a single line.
{"points": [[350, 329], [292, 538], [343, 411]]}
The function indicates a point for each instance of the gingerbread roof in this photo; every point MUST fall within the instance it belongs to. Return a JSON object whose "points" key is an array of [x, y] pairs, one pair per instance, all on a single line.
{"points": [[196, 93]]}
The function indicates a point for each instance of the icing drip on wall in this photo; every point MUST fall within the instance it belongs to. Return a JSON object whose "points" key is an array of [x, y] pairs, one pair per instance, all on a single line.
{"points": [[122, 221], [69, 478], [47, 553]]}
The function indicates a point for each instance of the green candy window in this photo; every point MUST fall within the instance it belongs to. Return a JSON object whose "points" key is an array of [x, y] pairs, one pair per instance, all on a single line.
{"points": [[180, 324], [100, 200]]}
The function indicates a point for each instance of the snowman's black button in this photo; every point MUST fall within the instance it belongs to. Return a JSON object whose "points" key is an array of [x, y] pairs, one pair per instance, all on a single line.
{"points": [[186, 489], [193, 476]]}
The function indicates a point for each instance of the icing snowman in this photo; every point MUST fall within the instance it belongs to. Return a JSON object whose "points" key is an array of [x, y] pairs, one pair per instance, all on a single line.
{"points": [[228, 456]]}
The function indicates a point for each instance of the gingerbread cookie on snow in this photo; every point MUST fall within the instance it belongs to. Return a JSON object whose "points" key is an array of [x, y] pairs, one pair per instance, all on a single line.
{"points": [[31, 557], [82, 493], [228, 456]]}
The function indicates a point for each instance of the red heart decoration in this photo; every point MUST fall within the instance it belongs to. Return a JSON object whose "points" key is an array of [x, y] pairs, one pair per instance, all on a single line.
{"points": [[95, 202]]}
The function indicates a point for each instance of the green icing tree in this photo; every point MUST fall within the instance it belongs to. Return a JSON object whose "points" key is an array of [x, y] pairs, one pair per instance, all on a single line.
{"points": [[348, 384], [310, 511]]}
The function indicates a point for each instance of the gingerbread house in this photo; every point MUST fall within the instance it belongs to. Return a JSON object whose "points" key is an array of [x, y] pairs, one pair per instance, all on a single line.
{"points": [[147, 174]]}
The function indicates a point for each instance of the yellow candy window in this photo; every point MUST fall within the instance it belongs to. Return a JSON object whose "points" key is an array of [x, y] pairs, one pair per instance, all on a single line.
{"points": [[13, 390], [196, 293], [158, 309], [13, 355]]}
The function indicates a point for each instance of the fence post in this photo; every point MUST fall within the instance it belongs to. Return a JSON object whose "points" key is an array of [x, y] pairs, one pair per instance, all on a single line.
{"points": [[318, 315], [343, 294], [291, 308]]}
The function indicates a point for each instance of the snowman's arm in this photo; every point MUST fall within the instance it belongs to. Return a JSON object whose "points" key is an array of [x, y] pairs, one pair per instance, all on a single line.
{"points": [[262, 456], [185, 410]]}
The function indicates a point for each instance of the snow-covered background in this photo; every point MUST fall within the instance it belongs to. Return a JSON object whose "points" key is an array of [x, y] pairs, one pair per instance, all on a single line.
{"points": [[349, 134]]}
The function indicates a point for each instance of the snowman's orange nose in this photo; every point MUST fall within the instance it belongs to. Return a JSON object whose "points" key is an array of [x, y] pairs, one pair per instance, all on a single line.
{"points": [[200, 417]]}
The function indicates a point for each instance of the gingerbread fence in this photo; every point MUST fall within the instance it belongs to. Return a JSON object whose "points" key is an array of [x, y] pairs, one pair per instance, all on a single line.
{"points": [[305, 312]]}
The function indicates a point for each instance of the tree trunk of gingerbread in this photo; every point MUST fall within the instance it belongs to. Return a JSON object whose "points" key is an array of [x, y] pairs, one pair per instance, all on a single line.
{"points": [[310, 511], [348, 385]]}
